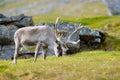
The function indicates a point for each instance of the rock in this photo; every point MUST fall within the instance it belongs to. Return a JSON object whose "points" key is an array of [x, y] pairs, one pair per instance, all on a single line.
{"points": [[7, 29], [26, 21], [87, 34], [2, 16], [12, 29], [5, 20], [7, 52], [17, 18], [66, 26], [85, 31], [8, 26], [20, 20], [102, 35], [6, 34], [92, 38], [113, 7]]}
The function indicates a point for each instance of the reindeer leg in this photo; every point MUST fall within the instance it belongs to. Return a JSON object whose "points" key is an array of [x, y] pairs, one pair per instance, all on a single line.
{"points": [[45, 49], [17, 47], [44, 53], [36, 51]]}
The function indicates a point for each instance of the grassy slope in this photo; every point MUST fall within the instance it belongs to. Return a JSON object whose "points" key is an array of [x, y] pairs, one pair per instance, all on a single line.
{"points": [[95, 65]]}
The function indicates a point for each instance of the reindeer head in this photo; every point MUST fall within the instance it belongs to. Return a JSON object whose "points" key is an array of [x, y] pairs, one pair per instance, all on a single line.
{"points": [[64, 46], [61, 48]]}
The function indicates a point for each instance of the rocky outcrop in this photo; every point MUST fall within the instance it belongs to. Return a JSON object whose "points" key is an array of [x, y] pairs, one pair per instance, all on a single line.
{"points": [[8, 26], [113, 7], [87, 36]]}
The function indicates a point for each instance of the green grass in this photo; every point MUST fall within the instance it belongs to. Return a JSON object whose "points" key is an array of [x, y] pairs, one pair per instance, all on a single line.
{"points": [[93, 22], [92, 65]]}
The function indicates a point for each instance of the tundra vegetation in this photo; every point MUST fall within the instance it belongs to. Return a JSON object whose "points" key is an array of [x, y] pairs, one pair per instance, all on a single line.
{"points": [[87, 65]]}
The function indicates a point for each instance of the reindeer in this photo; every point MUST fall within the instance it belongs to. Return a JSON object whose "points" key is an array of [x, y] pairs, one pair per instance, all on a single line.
{"points": [[41, 36]]}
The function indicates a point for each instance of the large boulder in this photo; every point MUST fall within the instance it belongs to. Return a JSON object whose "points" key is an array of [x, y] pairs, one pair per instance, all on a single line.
{"points": [[92, 38], [5, 20], [26, 21], [8, 26], [20, 20]]}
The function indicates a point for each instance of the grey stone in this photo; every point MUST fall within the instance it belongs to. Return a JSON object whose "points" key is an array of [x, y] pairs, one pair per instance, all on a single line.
{"points": [[7, 52], [26, 21], [5, 20], [20, 20], [2, 16], [113, 7], [17, 18], [12, 30], [6, 34], [85, 31]]}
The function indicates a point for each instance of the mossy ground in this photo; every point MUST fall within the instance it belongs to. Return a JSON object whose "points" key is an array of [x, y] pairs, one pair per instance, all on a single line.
{"points": [[92, 65]]}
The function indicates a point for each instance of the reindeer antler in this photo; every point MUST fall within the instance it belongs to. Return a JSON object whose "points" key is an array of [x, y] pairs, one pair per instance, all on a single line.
{"points": [[77, 29], [56, 25]]}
